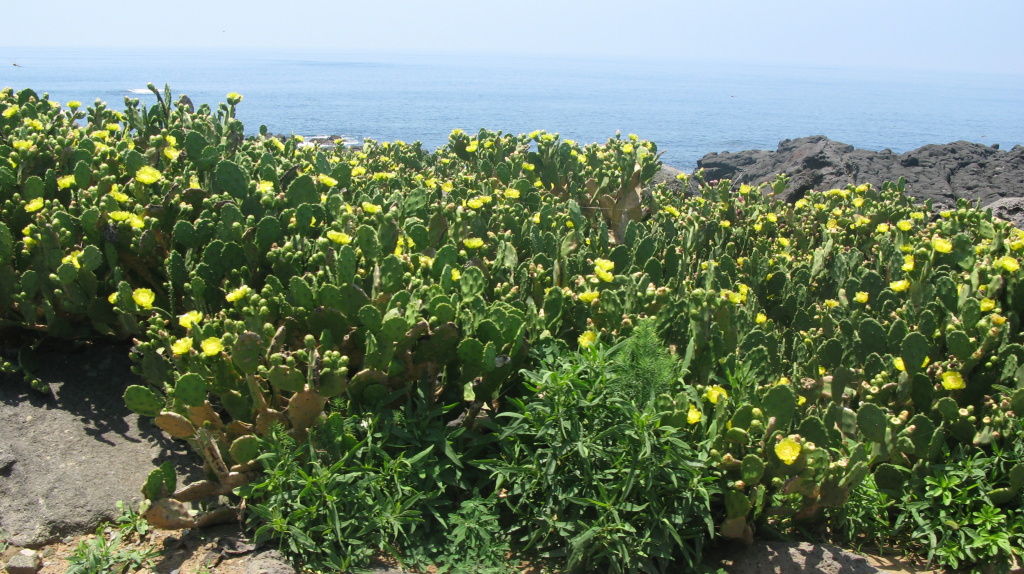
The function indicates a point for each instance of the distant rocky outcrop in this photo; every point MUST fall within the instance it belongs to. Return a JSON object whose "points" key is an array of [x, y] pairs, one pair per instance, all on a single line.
{"points": [[943, 173]]}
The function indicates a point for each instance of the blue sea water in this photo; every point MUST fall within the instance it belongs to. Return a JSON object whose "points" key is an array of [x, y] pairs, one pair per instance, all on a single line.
{"points": [[688, 109]]}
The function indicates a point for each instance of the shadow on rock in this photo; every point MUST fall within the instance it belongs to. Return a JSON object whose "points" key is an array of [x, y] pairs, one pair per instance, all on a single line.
{"points": [[67, 459]]}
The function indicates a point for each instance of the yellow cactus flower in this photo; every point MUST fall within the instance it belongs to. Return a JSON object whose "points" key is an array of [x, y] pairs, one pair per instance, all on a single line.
{"points": [[783, 241], [527, 166], [181, 346], [858, 202], [908, 262], [72, 258], [997, 319], [10, 111], [714, 393], [861, 297], [339, 237], [693, 415], [882, 228], [942, 245], [725, 223], [831, 303], [1008, 263], [143, 297], [603, 275], [112, 298], [370, 208], [456, 274], [190, 319], [587, 339], [473, 242], [475, 203], [512, 193], [905, 225], [234, 98], [782, 381], [788, 450], [472, 147], [952, 380], [238, 293], [589, 296], [265, 186], [118, 196], [171, 153], [901, 285], [34, 205], [21, 145], [898, 361], [327, 180], [760, 318], [65, 181], [211, 346], [987, 304], [148, 175]]}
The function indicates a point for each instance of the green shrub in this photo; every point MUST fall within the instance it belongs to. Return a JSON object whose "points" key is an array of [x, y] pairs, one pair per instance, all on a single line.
{"points": [[593, 479]]}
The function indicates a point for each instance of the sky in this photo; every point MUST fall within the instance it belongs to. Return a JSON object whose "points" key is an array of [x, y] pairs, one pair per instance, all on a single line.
{"points": [[928, 35]]}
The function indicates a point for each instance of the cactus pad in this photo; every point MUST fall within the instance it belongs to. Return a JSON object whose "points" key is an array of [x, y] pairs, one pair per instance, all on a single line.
{"points": [[245, 448], [872, 422], [175, 425], [143, 401], [287, 378], [191, 390], [304, 408]]}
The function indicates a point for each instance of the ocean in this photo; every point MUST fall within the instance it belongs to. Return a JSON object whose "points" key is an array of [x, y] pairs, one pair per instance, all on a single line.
{"points": [[688, 109]]}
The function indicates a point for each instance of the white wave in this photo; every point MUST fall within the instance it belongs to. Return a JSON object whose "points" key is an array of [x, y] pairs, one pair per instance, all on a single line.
{"points": [[139, 91]]}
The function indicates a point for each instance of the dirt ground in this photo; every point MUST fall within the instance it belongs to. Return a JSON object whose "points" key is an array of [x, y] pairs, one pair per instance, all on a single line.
{"points": [[225, 549]]}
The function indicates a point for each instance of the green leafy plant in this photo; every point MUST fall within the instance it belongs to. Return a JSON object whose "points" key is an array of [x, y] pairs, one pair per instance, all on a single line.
{"points": [[103, 554], [595, 480], [476, 541]]}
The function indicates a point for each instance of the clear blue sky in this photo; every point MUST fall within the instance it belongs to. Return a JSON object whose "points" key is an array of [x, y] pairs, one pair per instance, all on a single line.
{"points": [[954, 35]]}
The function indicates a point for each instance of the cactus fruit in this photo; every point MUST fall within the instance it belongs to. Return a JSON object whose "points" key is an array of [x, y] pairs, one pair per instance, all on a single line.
{"points": [[143, 401]]}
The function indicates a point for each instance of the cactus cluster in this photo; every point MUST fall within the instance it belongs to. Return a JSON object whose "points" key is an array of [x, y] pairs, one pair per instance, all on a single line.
{"points": [[850, 333]]}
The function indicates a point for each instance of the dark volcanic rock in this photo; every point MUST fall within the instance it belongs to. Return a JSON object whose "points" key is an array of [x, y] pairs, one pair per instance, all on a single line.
{"points": [[943, 173]]}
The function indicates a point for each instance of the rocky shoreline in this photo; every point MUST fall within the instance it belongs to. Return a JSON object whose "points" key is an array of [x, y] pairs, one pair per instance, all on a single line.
{"points": [[943, 173]]}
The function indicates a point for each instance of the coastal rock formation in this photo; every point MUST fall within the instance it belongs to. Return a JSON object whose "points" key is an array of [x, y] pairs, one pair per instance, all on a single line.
{"points": [[943, 173]]}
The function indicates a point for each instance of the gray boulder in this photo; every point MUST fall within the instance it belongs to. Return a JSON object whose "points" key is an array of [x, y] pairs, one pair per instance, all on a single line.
{"points": [[943, 173]]}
